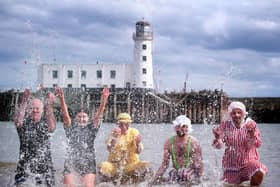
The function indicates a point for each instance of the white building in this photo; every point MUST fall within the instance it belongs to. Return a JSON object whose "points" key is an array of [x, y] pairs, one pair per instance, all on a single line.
{"points": [[138, 74]]}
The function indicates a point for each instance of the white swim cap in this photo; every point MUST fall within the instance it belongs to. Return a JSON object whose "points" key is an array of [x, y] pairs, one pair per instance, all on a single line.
{"points": [[183, 120], [235, 105]]}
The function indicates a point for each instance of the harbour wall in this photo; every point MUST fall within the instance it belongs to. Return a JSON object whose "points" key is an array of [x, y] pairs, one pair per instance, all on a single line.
{"points": [[147, 106]]}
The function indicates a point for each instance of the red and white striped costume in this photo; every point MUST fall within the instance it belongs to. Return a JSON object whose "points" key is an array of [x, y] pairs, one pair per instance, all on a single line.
{"points": [[241, 158]]}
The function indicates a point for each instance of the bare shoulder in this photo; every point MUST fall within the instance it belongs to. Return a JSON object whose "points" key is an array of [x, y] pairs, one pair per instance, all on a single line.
{"points": [[195, 140], [167, 143]]}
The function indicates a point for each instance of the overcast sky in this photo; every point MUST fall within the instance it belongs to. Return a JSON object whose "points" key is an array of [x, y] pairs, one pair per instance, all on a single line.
{"points": [[232, 45]]}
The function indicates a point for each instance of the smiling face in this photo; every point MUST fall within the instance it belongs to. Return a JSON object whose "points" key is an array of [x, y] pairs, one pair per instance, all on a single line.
{"points": [[36, 110], [237, 116], [82, 118], [124, 126], [181, 130]]}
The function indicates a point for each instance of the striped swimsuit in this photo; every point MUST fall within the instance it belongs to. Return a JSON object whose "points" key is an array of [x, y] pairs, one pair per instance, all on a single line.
{"points": [[240, 161]]}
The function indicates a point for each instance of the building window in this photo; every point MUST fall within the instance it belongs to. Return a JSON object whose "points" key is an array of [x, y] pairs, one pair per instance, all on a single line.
{"points": [[83, 74], [127, 85], [113, 87], [99, 74], [144, 58], [54, 74], [144, 46], [54, 85], [83, 87], [113, 74], [69, 85], [70, 74], [144, 71], [144, 83]]}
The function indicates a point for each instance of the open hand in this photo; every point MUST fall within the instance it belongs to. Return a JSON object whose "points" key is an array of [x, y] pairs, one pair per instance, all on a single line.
{"points": [[26, 94], [138, 139], [116, 132], [51, 98], [251, 129], [217, 132], [106, 93], [59, 92]]}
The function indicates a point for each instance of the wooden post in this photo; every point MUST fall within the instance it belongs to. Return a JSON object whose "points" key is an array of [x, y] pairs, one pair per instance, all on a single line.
{"points": [[93, 110], [204, 110], [221, 106], [186, 106], [88, 104], [171, 113], [143, 108], [82, 101], [115, 106], [213, 112], [194, 112], [190, 111], [199, 112], [147, 114], [157, 110], [128, 104], [161, 113]]}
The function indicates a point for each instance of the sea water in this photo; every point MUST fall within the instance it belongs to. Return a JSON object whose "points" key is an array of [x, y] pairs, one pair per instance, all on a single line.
{"points": [[153, 138]]}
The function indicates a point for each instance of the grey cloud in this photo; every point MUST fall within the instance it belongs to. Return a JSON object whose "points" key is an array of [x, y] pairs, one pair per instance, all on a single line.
{"points": [[214, 42]]}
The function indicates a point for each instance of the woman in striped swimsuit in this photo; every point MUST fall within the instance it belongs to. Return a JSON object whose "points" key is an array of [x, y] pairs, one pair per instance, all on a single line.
{"points": [[241, 160]]}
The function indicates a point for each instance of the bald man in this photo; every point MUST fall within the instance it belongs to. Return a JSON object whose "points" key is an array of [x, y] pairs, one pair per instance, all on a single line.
{"points": [[35, 161]]}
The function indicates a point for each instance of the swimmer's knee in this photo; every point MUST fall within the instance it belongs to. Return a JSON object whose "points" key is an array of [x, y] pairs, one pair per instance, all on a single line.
{"points": [[257, 178], [106, 169]]}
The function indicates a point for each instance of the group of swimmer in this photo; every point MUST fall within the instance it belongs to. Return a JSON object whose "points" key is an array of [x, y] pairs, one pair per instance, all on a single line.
{"points": [[239, 133]]}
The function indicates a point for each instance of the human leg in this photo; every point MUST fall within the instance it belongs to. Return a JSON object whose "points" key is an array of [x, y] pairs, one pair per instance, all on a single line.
{"points": [[254, 171], [107, 171], [257, 178], [88, 180], [138, 172], [69, 180], [231, 177]]}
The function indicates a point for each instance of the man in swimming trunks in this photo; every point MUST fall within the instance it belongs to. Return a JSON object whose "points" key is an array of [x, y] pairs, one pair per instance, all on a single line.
{"points": [[80, 160], [34, 128], [185, 152], [124, 146], [241, 160]]}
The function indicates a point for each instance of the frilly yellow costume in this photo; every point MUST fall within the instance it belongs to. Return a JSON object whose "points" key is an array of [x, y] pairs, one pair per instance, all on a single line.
{"points": [[123, 158]]}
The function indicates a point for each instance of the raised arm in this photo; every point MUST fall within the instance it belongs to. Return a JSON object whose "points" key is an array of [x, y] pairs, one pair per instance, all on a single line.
{"points": [[65, 113], [218, 133], [20, 112], [99, 114], [111, 142], [253, 135], [50, 115], [139, 145]]}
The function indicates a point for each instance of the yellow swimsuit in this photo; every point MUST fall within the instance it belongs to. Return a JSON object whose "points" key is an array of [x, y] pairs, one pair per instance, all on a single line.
{"points": [[123, 158]]}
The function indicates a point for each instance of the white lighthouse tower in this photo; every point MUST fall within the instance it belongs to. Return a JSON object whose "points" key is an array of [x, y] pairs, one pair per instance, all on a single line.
{"points": [[143, 61]]}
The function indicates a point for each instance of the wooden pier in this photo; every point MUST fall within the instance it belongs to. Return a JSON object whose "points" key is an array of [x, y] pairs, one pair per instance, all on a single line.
{"points": [[146, 106]]}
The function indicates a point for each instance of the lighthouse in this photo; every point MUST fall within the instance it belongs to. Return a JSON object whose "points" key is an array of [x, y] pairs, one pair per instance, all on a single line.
{"points": [[143, 61], [137, 74]]}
